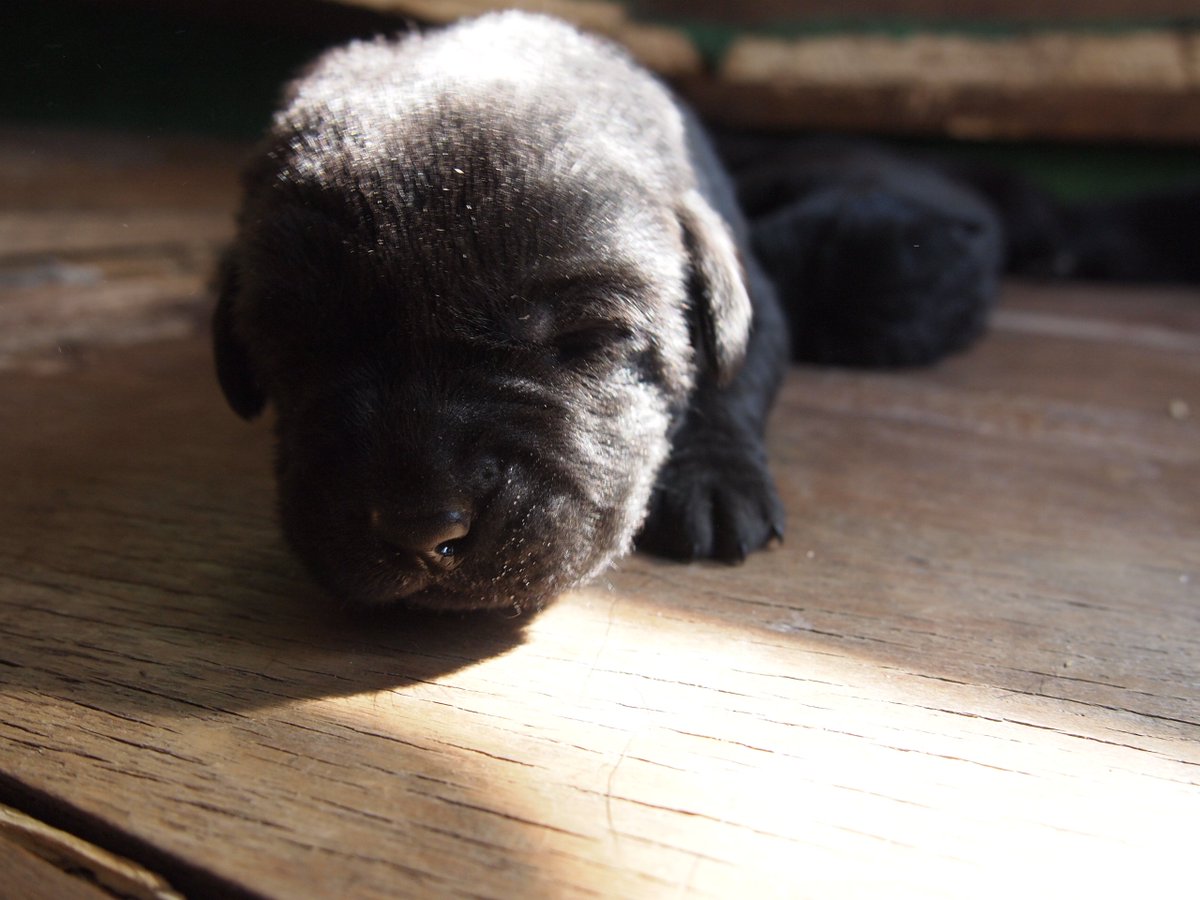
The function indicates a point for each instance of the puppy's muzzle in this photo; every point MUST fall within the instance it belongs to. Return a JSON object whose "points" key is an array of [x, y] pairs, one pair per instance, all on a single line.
{"points": [[436, 541]]}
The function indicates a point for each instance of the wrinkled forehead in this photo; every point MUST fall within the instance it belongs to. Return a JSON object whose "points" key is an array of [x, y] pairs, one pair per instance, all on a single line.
{"points": [[610, 236], [484, 241], [483, 220], [621, 271]]}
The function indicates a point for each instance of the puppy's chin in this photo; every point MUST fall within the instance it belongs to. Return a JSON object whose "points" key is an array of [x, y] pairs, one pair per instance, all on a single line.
{"points": [[439, 599]]}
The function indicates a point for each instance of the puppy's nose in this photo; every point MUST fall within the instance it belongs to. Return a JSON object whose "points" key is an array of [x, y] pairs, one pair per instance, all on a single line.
{"points": [[437, 537]]}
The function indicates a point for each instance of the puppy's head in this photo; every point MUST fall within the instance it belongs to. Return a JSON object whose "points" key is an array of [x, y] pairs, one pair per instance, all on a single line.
{"points": [[476, 357]]}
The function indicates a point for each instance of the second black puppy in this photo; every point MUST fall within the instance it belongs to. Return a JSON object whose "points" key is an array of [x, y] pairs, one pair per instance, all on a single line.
{"points": [[490, 280]]}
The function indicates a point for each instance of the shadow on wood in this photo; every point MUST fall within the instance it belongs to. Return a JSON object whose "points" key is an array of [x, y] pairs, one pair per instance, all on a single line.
{"points": [[151, 553]]}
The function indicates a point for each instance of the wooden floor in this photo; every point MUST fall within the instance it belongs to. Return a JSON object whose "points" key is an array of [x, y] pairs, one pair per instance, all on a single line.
{"points": [[973, 669]]}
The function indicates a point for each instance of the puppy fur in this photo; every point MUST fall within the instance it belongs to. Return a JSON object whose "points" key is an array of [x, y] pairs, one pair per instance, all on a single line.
{"points": [[879, 260], [493, 282]]}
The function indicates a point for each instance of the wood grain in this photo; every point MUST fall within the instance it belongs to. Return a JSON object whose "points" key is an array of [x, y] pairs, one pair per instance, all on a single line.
{"points": [[41, 861], [1135, 86], [106, 240], [1084, 114], [971, 670], [30, 877], [773, 12]]}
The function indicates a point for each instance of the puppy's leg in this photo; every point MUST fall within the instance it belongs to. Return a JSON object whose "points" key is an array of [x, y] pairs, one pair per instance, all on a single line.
{"points": [[880, 260], [715, 497]]}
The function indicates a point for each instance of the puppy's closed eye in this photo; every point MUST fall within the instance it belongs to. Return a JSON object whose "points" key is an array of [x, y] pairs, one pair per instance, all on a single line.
{"points": [[584, 341]]}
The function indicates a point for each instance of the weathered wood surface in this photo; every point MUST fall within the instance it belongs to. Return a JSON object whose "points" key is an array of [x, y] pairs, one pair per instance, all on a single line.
{"points": [[973, 668], [967, 114], [768, 12], [106, 240], [39, 861], [30, 877]]}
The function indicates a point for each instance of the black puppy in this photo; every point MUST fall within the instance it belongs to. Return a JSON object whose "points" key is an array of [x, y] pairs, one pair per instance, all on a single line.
{"points": [[496, 287]]}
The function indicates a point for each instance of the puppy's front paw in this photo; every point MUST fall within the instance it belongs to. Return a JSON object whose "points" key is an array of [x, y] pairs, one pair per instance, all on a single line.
{"points": [[713, 502]]}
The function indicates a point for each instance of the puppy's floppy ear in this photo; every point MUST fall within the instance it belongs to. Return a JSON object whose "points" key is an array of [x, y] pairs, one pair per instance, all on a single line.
{"points": [[719, 302], [235, 371]]}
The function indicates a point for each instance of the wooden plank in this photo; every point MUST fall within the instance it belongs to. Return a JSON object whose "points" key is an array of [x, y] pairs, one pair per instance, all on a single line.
{"points": [[52, 326], [1129, 116], [106, 241], [32, 878], [40, 861], [57, 168], [58, 308], [1140, 86], [971, 670], [776, 12], [66, 233]]}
